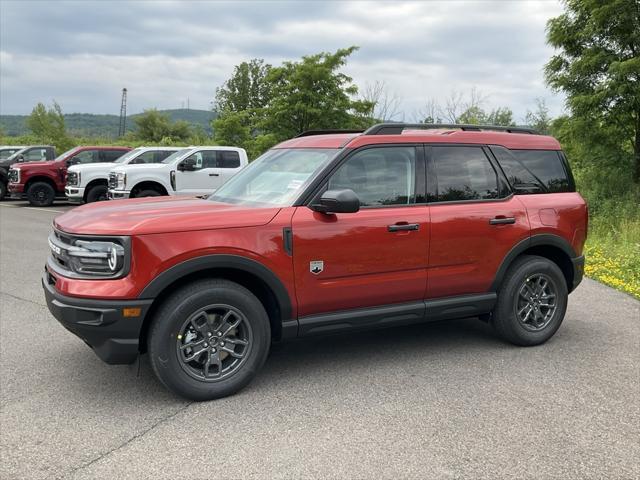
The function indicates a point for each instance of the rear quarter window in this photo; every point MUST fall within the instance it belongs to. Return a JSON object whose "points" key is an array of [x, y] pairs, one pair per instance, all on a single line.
{"points": [[548, 167]]}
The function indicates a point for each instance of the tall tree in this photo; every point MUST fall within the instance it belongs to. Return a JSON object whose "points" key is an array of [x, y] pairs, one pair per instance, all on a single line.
{"points": [[598, 64], [153, 126], [539, 118], [247, 89], [47, 125], [313, 93]]}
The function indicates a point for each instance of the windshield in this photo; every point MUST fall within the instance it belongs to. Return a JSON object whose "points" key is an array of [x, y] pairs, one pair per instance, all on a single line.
{"points": [[276, 178], [173, 156], [65, 154]]}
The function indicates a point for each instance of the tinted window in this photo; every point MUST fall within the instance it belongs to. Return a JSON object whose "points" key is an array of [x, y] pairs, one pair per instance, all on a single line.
{"points": [[111, 155], [464, 173], [160, 155], [205, 159], [146, 157], [228, 159], [520, 178], [86, 156], [547, 166], [35, 154], [379, 176]]}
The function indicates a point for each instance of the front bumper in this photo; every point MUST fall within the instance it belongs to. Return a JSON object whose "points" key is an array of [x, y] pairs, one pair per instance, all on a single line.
{"points": [[100, 323], [74, 194], [15, 190], [118, 194], [578, 271]]}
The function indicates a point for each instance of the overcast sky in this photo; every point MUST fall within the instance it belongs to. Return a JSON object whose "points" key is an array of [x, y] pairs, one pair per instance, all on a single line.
{"points": [[81, 53]]}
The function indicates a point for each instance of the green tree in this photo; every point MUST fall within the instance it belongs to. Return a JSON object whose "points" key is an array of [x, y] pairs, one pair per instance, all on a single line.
{"points": [[314, 94], [598, 65], [539, 119], [475, 115], [153, 126], [48, 126], [246, 90]]}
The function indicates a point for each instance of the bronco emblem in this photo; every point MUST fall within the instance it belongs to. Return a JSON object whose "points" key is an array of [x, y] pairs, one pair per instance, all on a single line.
{"points": [[316, 266]]}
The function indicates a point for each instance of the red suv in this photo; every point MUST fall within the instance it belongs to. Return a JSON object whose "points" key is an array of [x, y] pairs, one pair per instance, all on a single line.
{"points": [[325, 233], [42, 182]]}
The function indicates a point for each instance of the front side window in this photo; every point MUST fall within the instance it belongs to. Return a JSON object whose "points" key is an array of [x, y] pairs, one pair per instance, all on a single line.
{"points": [[112, 155], [379, 176], [547, 166], [86, 156], [146, 157], [204, 159], [464, 173], [35, 155], [277, 178]]}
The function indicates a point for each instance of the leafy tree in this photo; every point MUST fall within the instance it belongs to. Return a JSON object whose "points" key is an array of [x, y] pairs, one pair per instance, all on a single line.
{"points": [[153, 126], [48, 125], [246, 90], [598, 65], [477, 116], [314, 94], [500, 116], [539, 119]]}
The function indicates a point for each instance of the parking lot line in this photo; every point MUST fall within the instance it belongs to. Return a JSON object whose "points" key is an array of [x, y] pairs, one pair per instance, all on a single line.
{"points": [[33, 208]]}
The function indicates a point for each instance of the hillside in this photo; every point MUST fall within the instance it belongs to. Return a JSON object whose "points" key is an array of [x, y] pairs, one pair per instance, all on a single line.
{"points": [[91, 125]]}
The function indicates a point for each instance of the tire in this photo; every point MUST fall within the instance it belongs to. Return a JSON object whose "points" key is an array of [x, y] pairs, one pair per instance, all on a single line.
{"points": [[523, 314], [97, 193], [147, 193], [41, 194], [179, 323], [3, 189]]}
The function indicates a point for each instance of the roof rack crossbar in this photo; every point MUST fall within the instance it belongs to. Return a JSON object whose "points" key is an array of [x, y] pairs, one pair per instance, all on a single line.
{"points": [[308, 133], [398, 128]]}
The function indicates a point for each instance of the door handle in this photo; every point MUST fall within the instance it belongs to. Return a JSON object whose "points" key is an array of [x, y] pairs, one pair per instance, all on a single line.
{"points": [[502, 220], [400, 227], [214, 174]]}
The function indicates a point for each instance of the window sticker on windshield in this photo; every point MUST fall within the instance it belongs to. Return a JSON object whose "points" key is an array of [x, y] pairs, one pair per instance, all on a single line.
{"points": [[294, 184]]}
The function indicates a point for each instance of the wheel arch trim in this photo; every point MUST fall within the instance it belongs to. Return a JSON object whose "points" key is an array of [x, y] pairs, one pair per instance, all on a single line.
{"points": [[539, 240]]}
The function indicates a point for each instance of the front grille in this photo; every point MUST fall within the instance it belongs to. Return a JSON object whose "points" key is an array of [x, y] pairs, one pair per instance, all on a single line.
{"points": [[113, 180], [72, 178], [14, 175], [59, 244]]}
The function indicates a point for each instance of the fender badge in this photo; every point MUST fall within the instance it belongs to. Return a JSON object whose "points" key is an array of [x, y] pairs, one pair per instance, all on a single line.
{"points": [[316, 266]]}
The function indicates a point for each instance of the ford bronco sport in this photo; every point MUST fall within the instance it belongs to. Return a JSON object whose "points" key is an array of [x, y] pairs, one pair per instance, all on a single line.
{"points": [[325, 233]]}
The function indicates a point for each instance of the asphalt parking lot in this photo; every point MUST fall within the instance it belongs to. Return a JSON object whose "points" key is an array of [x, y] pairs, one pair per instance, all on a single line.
{"points": [[442, 400]]}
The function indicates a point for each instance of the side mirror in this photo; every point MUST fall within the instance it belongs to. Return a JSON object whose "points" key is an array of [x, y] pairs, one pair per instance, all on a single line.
{"points": [[20, 159], [187, 165], [71, 161], [337, 201]]}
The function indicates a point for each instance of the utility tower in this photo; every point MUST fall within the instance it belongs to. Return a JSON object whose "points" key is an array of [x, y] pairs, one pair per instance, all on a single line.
{"points": [[123, 113]]}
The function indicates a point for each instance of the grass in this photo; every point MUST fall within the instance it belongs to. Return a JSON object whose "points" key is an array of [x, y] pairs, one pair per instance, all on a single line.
{"points": [[613, 253]]}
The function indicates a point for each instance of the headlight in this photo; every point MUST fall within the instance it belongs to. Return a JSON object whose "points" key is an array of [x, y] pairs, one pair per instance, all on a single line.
{"points": [[73, 178], [121, 180], [14, 175], [86, 257]]}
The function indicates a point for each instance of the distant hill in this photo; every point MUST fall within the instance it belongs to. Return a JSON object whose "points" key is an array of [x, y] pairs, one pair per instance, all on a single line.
{"points": [[90, 125]]}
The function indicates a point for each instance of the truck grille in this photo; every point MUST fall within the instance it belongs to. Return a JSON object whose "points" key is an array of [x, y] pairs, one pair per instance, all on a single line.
{"points": [[14, 175], [72, 178], [113, 181]]}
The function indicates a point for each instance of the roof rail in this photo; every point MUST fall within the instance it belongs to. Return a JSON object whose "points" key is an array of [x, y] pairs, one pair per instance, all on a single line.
{"points": [[308, 133], [397, 128]]}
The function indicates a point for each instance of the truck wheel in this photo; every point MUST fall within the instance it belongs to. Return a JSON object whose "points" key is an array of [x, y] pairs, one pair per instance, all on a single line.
{"points": [[209, 339], [41, 194], [3, 190], [532, 301], [98, 193], [147, 193]]}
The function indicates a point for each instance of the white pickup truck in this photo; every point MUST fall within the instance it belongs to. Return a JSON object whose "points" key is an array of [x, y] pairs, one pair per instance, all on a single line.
{"points": [[88, 182], [194, 171]]}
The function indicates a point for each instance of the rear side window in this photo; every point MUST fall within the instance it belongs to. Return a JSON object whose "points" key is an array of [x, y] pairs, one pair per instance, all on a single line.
{"points": [[112, 155], [521, 179], [547, 166], [228, 159], [464, 173]]}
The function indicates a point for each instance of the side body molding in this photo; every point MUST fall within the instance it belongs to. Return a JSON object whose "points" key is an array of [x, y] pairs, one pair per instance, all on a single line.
{"points": [[533, 241], [234, 262]]}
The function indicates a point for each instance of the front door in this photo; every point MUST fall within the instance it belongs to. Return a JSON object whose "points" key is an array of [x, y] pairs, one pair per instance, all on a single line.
{"points": [[204, 179], [375, 257]]}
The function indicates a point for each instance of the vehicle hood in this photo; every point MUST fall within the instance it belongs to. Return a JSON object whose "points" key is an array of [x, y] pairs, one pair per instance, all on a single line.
{"points": [[90, 167], [143, 216], [24, 165], [140, 167]]}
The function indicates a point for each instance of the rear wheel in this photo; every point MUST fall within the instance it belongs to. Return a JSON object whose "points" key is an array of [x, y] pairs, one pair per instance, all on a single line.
{"points": [[532, 301], [209, 339], [147, 193], [97, 193], [41, 194]]}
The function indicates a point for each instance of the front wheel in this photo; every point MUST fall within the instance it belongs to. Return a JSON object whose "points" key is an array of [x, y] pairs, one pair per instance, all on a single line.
{"points": [[209, 339], [98, 193], [147, 193], [532, 301], [41, 194]]}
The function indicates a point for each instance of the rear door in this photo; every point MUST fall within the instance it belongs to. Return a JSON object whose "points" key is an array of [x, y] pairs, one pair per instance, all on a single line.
{"points": [[475, 220], [227, 165], [374, 257]]}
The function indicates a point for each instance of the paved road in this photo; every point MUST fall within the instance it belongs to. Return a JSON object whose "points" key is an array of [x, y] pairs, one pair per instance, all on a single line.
{"points": [[432, 401]]}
